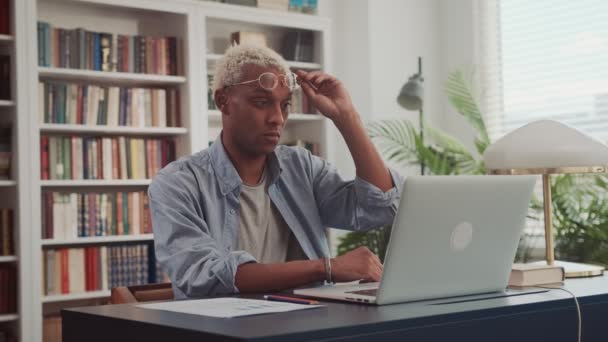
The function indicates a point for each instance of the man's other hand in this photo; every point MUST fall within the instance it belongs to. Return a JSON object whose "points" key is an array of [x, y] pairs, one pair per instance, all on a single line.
{"points": [[359, 264]]}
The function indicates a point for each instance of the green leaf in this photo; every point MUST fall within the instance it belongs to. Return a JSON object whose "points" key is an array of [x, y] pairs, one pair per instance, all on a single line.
{"points": [[459, 91]]}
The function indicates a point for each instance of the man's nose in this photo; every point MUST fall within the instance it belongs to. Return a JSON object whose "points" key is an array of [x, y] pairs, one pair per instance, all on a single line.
{"points": [[276, 115]]}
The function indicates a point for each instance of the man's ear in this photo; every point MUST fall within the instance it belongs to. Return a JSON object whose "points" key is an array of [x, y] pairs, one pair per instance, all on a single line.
{"points": [[220, 99]]}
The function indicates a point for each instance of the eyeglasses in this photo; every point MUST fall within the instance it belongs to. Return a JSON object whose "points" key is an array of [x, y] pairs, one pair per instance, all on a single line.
{"points": [[269, 81]]}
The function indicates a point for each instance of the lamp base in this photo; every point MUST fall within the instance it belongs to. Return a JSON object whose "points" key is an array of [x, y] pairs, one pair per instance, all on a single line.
{"points": [[577, 270]]}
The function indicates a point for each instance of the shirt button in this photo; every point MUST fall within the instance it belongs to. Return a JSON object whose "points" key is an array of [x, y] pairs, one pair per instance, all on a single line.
{"points": [[231, 211]]}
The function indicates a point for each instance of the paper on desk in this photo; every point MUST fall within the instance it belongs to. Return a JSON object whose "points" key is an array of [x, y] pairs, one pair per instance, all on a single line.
{"points": [[226, 307]]}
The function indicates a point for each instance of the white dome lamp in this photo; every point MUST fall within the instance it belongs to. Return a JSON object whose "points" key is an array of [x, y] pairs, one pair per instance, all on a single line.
{"points": [[548, 147]]}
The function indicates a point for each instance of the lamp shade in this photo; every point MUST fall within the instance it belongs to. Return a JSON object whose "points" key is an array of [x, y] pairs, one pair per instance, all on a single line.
{"points": [[545, 144], [412, 94]]}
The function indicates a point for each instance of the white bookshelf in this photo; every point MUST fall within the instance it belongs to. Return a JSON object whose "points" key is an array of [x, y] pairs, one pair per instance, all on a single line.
{"points": [[157, 18], [97, 240], [94, 183], [123, 78], [112, 130], [8, 258], [205, 28], [75, 296]]}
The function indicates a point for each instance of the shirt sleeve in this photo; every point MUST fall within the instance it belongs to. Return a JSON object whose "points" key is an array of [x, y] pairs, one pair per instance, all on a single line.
{"points": [[353, 205], [194, 261]]}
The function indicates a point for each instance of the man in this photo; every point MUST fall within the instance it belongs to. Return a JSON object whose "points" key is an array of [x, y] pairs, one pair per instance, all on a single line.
{"points": [[246, 215]]}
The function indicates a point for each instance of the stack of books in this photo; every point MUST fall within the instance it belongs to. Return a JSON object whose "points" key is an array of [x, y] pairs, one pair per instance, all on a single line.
{"points": [[74, 215], [534, 274], [82, 49]]}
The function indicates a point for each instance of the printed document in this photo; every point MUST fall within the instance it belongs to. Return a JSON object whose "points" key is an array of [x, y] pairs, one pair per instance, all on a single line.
{"points": [[226, 307]]}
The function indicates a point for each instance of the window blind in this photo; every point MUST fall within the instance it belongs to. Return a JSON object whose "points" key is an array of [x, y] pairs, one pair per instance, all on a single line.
{"points": [[543, 59]]}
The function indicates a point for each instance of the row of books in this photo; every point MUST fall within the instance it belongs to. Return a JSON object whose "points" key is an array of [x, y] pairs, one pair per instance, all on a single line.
{"points": [[82, 49], [7, 244], [65, 103], [5, 152], [71, 157], [8, 289], [74, 215], [78, 270]]}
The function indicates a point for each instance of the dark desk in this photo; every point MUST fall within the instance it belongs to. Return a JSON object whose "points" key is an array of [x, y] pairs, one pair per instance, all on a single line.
{"points": [[549, 316]]}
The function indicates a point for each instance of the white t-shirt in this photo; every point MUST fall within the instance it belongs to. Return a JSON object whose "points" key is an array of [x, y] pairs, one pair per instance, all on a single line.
{"points": [[262, 231]]}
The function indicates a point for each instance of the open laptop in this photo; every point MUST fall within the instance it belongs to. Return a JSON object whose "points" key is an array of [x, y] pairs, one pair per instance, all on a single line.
{"points": [[452, 236]]}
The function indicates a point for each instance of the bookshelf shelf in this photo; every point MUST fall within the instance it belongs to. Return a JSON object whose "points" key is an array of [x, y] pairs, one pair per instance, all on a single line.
{"points": [[6, 38], [213, 57], [6, 183], [124, 78], [98, 239], [113, 130], [216, 116], [95, 182], [9, 318], [6, 103], [8, 258], [75, 296]]}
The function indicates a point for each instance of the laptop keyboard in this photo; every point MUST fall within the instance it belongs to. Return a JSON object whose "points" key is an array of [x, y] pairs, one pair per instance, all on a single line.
{"points": [[370, 292]]}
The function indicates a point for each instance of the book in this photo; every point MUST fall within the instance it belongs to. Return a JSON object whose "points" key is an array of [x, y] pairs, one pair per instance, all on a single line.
{"points": [[5, 152], [6, 232], [298, 46], [5, 17], [535, 274], [280, 5], [250, 38], [5, 77]]}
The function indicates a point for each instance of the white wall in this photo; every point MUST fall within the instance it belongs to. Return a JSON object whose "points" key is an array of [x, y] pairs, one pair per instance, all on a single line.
{"points": [[376, 47], [457, 44]]}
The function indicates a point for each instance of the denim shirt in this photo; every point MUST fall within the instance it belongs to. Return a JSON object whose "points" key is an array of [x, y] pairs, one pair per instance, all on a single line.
{"points": [[195, 212]]}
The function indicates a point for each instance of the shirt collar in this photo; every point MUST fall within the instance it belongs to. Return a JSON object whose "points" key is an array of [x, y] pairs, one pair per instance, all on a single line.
{"points": [[226, 173]]}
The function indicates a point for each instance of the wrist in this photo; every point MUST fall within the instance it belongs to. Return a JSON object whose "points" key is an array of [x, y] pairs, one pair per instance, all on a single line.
{"points": [[319, 269], [347, 119]]}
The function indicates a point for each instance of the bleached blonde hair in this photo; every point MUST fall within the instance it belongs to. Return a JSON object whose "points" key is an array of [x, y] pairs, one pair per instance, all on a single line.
{"points": [[229, 68]]}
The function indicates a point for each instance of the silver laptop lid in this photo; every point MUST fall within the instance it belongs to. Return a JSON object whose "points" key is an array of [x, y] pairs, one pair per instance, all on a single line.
{"points": [[454, 235]]}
